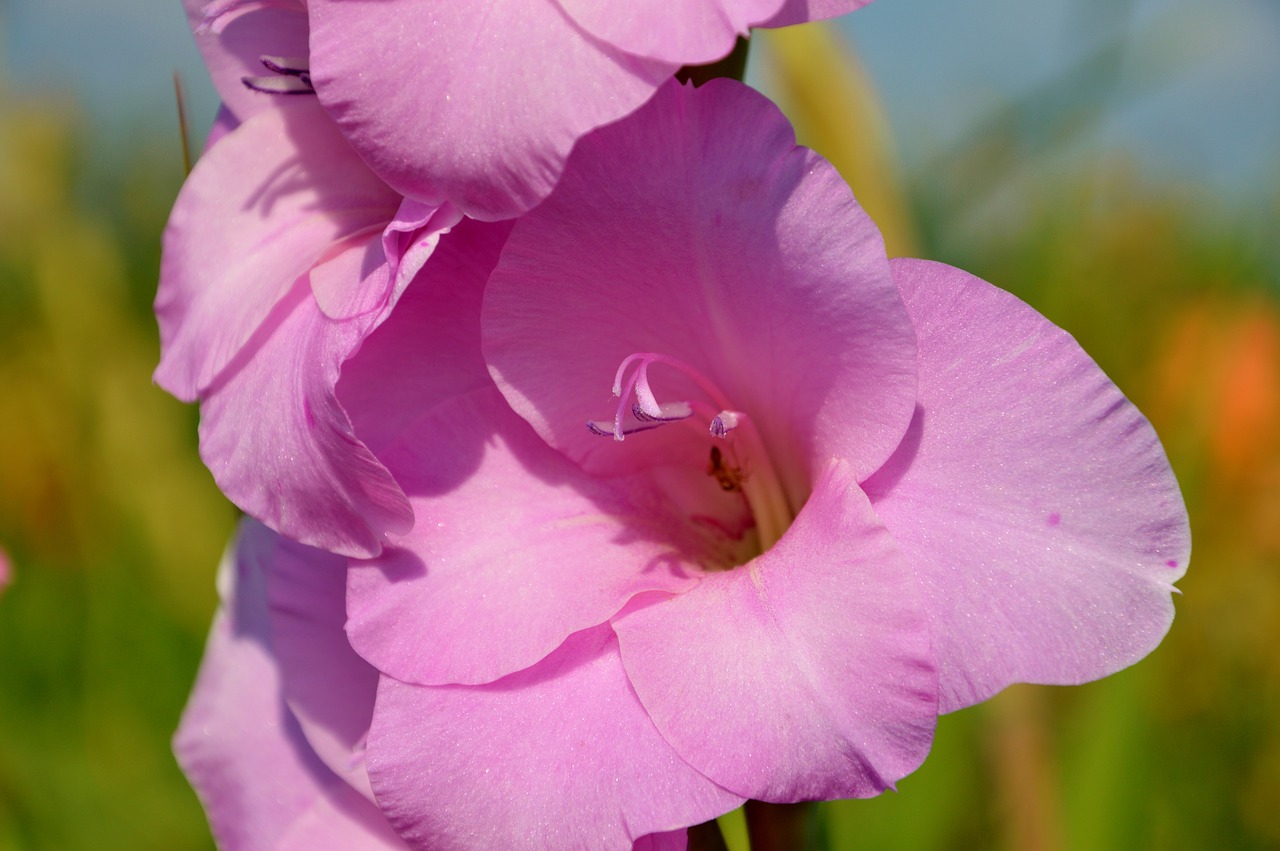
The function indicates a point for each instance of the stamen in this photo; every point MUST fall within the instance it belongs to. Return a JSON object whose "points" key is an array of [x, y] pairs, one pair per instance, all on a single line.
{"points": [[760, 487], [294, 66], [279, 85], [607, 429], [293, 77], [725, 422], [668, 412]]}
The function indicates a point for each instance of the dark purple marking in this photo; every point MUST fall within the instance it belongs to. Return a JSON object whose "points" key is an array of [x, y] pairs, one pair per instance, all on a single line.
{"points": [[1173, 562], [597, 430], [1053, 519]]}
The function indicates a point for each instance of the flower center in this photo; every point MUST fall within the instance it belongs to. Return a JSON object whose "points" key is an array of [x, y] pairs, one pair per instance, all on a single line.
{"points": [[737, 459], [290, 75]]}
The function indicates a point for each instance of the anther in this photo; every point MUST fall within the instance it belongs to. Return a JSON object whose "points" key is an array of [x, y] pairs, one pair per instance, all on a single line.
{"points": [[292, 77]]}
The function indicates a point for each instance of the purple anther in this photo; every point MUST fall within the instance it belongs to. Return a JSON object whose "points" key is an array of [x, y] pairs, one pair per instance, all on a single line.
{"points": [[607, 429], [724, 422], [293, 77], [670, 412], [279, 85], [292, 66]]}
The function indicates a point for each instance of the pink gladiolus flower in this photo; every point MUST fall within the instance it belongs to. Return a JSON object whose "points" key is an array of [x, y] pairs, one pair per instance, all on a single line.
{"points": [[714, 502], [283, 252]]}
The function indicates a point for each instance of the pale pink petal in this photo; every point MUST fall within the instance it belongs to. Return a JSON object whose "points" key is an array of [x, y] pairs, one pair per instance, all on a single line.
{"points": [[261, 785], [698, 230], [281, 446], [804, 674], [428, 350], [691, 32], [343, 282], [558, 756], [234, 43], [257, 211], [1034, 502], [352, 278], [476, 102], [410, 238], [328, 687], [799, 11], [516, 549]]}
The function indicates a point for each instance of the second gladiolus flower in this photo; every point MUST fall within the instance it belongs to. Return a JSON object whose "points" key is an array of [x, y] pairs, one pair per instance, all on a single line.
{"points": [[713, 501]]}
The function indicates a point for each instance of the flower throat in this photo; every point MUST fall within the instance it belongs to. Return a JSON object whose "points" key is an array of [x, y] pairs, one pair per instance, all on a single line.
{"points": [[737, 458]]}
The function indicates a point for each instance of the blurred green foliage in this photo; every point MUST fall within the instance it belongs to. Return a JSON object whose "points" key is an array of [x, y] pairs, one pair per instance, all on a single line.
{"points": [[111, 523], [114, 528]]}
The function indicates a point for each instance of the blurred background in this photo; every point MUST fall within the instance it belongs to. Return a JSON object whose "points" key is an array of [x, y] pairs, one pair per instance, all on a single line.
{"points": [[1116, 163]]}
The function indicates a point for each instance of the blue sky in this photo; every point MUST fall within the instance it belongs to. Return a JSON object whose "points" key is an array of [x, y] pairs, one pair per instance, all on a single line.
{"points": [[1197, 97]]}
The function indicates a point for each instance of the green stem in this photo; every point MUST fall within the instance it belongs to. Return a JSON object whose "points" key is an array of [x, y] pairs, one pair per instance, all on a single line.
{"points": [[777, 827]]}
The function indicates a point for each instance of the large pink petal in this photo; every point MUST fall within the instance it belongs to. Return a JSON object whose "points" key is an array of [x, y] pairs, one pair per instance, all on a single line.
{"points": [[261, 785], [558, 756], [233, 44], [690, 32], [1032, 498], [258, 210], [697, 229], [428, 350], [281, 446], [515, 549], [328, 687], [804, 674], [476, 102]]}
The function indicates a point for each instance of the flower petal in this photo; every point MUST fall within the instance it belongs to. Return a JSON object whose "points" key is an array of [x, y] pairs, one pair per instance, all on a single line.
{"points": [[803, 674], [257, 211], [1032, 498], [691, 32], [328, 687], [281, 446], [505, 86], [428, 350], [517, 548], [261, 785], [698, 230], [558, 756]]}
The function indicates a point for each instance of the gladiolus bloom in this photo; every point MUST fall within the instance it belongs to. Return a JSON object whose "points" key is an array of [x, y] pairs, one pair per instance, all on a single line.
{"points": [[716, 502]]}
